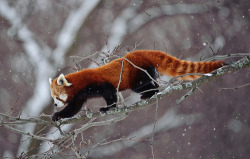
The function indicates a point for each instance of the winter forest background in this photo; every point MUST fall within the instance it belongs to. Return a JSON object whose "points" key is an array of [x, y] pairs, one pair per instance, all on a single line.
{"points": [[43, 38]]}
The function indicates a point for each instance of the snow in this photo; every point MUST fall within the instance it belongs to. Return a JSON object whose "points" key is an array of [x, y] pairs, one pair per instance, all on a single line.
{"points": [[168, 121], [235, 125]]}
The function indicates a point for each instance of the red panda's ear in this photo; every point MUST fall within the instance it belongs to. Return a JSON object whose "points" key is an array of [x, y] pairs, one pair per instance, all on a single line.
{"points": [[61, 80], [50, 80]]}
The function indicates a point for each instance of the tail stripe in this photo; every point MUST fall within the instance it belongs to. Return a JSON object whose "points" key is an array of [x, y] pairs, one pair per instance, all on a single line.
{"points": [[192, 66], [169, 60], [175, 67], [205, 67], [209, 68], [185, 67], [176, 64], [199, 69]]}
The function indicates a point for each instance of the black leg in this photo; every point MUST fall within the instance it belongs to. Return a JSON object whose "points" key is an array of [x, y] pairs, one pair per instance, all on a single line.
{"points": [[106, 90], [144, 84], [110, 96]]}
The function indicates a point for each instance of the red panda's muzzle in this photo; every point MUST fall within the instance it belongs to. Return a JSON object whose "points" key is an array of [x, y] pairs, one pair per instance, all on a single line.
{"points": [[58, 102]]}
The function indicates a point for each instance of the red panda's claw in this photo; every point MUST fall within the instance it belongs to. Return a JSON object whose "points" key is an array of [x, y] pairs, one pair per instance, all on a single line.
{"points": [[103, 110], [56, 117]]}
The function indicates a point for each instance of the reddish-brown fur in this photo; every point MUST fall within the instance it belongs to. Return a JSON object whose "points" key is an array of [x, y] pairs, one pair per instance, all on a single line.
{"points": [[165, 64]]}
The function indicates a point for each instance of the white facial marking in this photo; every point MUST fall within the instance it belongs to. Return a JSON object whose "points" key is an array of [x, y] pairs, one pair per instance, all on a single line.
{"points": [[58, 103], [63, 97]]}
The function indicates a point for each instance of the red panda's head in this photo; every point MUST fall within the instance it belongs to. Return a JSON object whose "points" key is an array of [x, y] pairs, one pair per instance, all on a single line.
{"points": [[58, 89]]}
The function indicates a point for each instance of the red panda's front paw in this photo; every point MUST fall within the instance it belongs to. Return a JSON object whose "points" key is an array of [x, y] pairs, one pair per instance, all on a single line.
{"points": [[56, 117], [103, 110]]}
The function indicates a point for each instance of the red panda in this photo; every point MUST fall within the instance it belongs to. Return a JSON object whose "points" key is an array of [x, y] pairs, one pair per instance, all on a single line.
{"points": [[74, 89]]}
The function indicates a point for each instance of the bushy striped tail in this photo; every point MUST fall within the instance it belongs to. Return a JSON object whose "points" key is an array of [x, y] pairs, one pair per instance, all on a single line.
{"points": [[181, 67], [172, 66]]}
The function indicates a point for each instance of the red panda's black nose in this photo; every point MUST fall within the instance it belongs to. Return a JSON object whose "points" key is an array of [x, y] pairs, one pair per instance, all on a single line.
{"points": [[55, 105]]}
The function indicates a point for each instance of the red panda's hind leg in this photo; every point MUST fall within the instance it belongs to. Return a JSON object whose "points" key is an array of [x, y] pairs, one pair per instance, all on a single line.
{"points": [[144, 85], [110, 96]]}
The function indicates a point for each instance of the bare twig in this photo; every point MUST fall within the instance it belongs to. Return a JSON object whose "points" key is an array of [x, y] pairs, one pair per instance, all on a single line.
{"points": [[214, 53], [94, 62], [152, 138], [140, 69], [136, 45], [120, 80], [13, 106], [119, 46], [79, 58], [146, 13], [26, 133], [24, 121], [223, 57], [234, 88], [78, 67], [186, 95], [166, 50]]}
